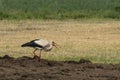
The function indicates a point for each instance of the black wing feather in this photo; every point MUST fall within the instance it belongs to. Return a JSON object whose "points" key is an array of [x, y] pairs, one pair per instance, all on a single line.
{"points": [[31, 44]]}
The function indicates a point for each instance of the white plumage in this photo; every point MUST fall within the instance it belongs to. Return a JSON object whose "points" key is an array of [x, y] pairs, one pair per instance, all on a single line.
{"points": [[40, 44], [46, 46]]}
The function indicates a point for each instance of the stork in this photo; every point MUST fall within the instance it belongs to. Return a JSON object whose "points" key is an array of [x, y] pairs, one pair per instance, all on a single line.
{"points": [[40, 44]]}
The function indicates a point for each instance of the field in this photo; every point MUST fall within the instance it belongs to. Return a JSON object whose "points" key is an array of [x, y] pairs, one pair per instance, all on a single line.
{"points": [[97, 41], [26, 68], [88, 32], [59, 9], [89, 50]]}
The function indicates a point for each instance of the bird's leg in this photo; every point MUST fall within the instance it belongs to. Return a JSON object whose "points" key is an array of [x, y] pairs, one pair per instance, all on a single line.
{"points": [[40, 55], [34, 51]]}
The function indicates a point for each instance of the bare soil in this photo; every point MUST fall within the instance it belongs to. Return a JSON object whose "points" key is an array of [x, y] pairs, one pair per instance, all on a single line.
{"points": [[27, 68]]}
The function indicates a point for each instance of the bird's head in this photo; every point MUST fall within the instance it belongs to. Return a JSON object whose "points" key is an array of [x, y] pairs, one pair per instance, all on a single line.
{"points": [[56, 45]]}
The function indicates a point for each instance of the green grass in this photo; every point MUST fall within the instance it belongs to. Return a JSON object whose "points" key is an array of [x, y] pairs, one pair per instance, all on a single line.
{"points": [[59, 9]]}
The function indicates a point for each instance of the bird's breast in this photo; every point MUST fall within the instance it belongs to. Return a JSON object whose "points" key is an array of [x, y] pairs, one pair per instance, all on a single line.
{"points": [[48, 48]]}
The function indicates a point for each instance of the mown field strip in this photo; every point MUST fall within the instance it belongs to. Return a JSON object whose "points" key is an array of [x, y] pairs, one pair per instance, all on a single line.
{"points": [[98, 41]]}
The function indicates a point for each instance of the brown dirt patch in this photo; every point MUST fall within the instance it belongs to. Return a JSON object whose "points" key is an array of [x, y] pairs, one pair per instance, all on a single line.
{"points": [[27, 68]]}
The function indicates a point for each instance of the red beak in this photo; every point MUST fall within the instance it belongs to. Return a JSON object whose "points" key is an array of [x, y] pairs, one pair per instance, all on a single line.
{"points": [[56, 45]]}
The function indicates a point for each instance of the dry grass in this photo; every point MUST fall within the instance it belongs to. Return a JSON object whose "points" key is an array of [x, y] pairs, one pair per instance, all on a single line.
{"points": [[98, 41]]}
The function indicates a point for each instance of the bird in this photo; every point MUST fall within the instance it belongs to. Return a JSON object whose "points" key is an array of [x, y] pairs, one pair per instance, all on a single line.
{"points": [[40, 44]]}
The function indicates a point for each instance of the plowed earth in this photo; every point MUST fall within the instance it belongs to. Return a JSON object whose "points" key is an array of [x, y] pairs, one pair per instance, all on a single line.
{"points": [[27, 68]]}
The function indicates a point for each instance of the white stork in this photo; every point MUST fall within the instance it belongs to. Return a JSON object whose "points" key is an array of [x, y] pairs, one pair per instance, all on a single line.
{"points": [[40, 44]]}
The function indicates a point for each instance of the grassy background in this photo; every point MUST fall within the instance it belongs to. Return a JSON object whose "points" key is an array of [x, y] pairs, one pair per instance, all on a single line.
{"points": [[59, 9], [98, 41], [22, 21]]}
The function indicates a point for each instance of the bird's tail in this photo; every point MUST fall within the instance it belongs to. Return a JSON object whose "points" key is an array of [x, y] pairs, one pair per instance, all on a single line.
{"points": [[26, 44]]}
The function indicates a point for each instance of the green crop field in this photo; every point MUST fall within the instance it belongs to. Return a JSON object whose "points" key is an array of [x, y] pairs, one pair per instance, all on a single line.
{"points": [[59, 9]]}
